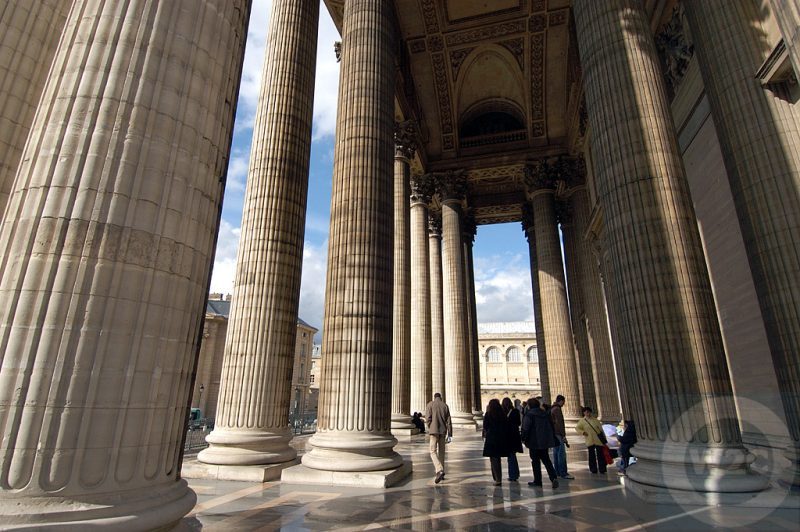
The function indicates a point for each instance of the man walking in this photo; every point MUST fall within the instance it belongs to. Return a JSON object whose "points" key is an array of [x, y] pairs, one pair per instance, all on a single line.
{"points": [[437, 417], [538, 435], [560, 451]]}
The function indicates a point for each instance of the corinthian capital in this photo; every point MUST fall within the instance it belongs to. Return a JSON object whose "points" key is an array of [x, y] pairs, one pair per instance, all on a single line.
{"points": [[451, 185], [546, 174], [527, 218], [422, 188], [435, 223], [469, 228], [405, 139]]}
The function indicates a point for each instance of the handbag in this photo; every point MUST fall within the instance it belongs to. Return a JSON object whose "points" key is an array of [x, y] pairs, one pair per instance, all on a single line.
{"points": [[607, 455]]}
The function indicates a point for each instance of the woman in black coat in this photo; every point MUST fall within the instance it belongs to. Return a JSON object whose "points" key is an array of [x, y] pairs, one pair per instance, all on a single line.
{"points": [[495, 434], [514, 441]]}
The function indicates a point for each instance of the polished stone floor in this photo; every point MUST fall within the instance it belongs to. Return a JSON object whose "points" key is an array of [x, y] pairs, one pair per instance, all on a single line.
{"points": [[466, 500]]}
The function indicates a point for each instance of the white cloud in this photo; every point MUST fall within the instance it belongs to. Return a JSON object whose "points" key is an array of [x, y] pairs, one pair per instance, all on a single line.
{"points": [[327, 78], [312, 286], [327, 81], [503, 288], [225, 260]]}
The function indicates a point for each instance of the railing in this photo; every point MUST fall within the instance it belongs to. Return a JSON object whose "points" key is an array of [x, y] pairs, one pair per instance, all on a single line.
{"points": [[196, 440]]}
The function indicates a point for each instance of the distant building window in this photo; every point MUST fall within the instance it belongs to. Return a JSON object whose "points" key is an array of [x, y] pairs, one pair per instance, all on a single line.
{"points": [[311, 380], [493, 354], [305, 335], [514, 354], [533, 354]]}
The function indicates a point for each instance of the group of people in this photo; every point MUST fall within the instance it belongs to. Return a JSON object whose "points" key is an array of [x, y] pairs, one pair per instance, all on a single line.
{"points": [[539, 426]]}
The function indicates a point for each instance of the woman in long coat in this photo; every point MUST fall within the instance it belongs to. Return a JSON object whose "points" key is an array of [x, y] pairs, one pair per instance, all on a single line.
{"points": [[514, 441], [495, 434]]}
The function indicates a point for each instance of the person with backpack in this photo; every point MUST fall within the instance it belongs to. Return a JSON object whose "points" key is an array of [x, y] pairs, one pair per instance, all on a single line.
{"points": [[539, 436]]}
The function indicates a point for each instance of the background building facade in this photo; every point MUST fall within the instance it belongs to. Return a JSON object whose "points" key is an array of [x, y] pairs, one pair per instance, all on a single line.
{"points": [[509, 361]]}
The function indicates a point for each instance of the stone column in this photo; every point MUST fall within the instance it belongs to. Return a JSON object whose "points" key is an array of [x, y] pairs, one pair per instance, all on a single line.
{"points": [[530, 234], [452, 188], [572, 263], [595, 324], [252, 423], [759, 137], [670, 344], [561, 367], [421, 376], [353, 432], [438, 378], [405, 144], [469, 229], [29, 33], [106, 263]]}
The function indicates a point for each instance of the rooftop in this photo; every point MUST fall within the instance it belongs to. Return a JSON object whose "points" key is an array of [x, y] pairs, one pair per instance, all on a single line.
{"points": [[507, 327]]}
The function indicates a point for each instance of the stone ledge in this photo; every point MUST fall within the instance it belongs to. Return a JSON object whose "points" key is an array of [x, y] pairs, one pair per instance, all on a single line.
{"points": [[301, 474], [259, 473], [772, 497]]}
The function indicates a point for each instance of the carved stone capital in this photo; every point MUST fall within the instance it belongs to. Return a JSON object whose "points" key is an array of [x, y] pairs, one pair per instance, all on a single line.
{"points": [[435, 224], [405, 139], [337, 49], [547, 174], [422, 188], [451, 185]]}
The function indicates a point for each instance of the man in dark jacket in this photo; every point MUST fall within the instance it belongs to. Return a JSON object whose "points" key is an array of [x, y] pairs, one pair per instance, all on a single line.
{"points": [[560, 450], [538, 435], [440, 427]]}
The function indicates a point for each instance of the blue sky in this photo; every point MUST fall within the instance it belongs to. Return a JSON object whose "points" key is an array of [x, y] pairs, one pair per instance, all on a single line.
{"points": [[502, 274]]}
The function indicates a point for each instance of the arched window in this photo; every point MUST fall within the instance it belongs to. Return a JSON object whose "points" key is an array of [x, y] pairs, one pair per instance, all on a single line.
{"points": [[514, 354], [533, 354], [493, 354]]}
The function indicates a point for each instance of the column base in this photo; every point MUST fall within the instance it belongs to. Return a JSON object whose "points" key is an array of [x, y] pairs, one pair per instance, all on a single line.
{"points": [[386, 478], [771, 498], [153, 508], [790, 477], [463, 421], [352, 451], [404, 434], [477, 415], [401, 422], [695, 468], [251, 473], [232, 447]]}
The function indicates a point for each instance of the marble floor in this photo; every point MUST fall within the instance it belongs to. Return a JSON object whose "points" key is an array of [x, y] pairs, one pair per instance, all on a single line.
{"points": [[465, 500]]}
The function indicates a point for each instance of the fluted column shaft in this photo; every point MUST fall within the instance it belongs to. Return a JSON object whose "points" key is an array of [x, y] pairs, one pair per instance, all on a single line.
{"points": [[572, 264], [401, 320], [252, 424], [106, 250], [530, 234], [438, 379], [475, 360], [421, 376], [456, 337], [763, 164], [595, 323], [355, 392], [29, 33], [561, 368], [670, 343]]}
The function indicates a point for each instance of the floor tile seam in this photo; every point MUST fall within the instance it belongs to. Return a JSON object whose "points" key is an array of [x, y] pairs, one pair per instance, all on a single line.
{"points": [[230, 497]]}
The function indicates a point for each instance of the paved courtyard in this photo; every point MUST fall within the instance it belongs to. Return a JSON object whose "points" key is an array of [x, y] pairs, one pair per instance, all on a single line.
{"points": [[466, 500]]}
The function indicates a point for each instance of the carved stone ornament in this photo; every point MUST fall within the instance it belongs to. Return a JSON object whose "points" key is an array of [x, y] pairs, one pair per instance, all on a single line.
{"points": [[675, 49], [422, 188], [435, 223], [405, 139], [337, 49], [451, 185]]}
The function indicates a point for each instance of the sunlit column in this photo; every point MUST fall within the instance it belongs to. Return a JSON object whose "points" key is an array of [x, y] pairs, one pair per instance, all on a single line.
{"points": [[107, 246], [438, 377]]}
